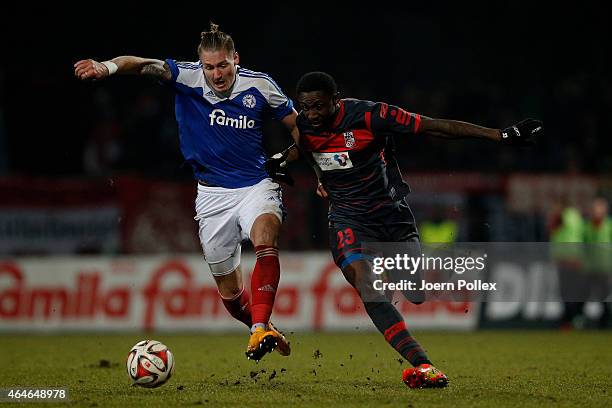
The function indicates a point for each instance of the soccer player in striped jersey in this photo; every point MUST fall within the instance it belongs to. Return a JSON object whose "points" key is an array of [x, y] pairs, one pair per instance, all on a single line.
{"points": [[350, 143], [220, 107]]}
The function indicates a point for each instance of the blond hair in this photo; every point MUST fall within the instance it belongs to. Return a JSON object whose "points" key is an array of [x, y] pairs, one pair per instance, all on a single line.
{"points": [[215, 40]]}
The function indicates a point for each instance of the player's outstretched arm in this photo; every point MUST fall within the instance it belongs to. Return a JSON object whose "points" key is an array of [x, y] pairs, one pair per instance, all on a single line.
{"points": [[520, 134], [93, 70]]}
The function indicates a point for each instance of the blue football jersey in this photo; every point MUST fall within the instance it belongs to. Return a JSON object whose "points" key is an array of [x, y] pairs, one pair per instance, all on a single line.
{"points": [[221, 138]]}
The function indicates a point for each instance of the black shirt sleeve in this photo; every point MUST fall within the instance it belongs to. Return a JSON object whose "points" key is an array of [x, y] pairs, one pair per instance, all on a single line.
{"points": [[393, 120]]}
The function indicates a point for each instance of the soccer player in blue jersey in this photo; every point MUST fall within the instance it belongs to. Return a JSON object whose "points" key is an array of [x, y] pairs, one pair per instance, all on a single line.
{"points": [[349, 142], [220, 107]]}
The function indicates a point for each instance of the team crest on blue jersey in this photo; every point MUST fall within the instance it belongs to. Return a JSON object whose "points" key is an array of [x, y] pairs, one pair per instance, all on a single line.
{"points": [[349, 139], [249, 101]]}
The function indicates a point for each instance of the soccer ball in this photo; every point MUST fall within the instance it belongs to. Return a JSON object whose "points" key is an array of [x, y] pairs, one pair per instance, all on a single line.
{"points": [[150, 364]]}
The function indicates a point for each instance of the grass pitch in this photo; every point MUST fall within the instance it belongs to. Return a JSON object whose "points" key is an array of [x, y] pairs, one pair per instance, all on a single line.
{"points": [[489, 368]]}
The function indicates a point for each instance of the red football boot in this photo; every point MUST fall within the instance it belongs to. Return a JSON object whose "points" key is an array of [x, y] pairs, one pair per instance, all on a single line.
{"points": [[424, 376]]}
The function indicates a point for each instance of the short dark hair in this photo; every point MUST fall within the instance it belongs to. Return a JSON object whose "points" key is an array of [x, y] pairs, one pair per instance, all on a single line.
{"points": [[317, 81], [215, 40]]}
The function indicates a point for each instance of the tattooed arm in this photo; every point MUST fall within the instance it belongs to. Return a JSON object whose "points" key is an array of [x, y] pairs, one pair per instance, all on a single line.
{"points": [[94, 70]]}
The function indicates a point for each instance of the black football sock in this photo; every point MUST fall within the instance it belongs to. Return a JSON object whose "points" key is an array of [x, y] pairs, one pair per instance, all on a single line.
{"points": [[389, 322]]}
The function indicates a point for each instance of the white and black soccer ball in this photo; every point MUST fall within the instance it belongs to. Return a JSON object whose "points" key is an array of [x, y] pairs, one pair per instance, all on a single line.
{"points": [[150, 364]]}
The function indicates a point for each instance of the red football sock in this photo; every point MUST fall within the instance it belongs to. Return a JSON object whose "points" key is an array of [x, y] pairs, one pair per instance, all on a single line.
{"points": [[239, 307], [264, 283]]}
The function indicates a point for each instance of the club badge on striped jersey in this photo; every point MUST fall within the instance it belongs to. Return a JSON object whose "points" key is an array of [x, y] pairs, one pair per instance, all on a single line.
{"points": [[349, 139]]}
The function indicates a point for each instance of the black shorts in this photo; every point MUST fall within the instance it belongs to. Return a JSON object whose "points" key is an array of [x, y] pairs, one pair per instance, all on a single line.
{"points": [[347, 236]]}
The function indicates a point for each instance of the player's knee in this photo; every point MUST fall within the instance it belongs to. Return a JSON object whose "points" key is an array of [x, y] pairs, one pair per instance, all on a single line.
{"points": [[229, 284], [349, 275], [358, 274], [265, 230]]}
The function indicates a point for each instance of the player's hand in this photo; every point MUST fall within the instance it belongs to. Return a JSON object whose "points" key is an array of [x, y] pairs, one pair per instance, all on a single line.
{"points": [[90, 70], [321, 192], [276, 168], [523, 133]]}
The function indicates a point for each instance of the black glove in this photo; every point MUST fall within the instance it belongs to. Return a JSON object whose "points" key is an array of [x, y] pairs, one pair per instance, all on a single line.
{"points": [[522, 133], [276, 168]]}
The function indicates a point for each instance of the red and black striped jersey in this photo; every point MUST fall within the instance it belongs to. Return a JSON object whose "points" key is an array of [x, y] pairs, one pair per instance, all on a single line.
{"points": [[356, 157]]}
